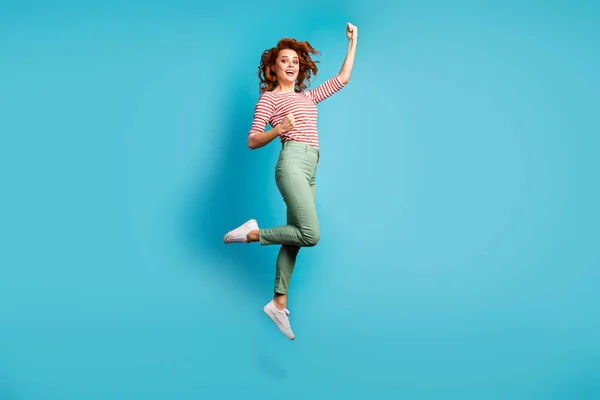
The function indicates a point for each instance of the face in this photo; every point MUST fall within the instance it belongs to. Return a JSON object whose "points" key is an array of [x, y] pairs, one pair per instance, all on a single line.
{"points": [[287, 66]]}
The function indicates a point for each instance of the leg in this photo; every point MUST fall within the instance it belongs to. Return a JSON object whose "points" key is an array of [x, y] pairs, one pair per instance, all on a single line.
{"points": [[295, 176], [303, 231], [286, 260], [277, 308], [302, 228], [294, 173]]}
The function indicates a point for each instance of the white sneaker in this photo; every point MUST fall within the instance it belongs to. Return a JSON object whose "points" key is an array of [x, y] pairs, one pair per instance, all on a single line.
{"points": [[280, 317], [238, 235]]}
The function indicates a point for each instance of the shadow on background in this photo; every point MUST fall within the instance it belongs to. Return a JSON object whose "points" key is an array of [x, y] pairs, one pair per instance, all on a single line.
{"points": [[237, 188], [269, 366]]}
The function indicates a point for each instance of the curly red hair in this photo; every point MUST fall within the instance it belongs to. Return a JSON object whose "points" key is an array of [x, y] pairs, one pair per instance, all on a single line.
{"points": [[308, 67]]}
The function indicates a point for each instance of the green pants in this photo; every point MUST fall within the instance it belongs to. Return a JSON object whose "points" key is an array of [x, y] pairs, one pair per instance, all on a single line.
{"points": [[295, 177]]}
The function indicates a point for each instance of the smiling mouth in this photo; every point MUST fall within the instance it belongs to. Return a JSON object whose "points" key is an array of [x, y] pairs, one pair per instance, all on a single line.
{"points": [[290, 73]]}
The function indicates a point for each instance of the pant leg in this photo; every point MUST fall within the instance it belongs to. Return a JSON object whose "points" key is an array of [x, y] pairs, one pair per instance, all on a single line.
{"points": [[295, 170], [286, 260]]}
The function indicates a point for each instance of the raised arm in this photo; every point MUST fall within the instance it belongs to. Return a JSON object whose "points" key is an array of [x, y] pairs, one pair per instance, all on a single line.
{"points": [[346, 70], [340, 80]]}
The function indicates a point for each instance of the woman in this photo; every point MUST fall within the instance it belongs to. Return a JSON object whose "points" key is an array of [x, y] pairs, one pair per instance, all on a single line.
{"points": [[291, 110]]}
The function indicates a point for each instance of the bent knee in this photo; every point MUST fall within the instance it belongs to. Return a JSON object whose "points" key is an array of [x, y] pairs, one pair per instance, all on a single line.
{"points": [[311, 237]]}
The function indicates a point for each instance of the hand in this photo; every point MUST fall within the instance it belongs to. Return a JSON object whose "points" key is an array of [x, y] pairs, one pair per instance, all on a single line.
{"points": [[287, 124], [351, 32]]}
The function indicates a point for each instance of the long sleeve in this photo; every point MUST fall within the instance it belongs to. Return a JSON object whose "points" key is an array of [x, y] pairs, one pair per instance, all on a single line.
{"points": [[265, 107], [325, 89]]}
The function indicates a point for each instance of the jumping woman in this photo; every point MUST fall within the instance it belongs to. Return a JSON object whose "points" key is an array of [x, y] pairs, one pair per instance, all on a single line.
{"points": [[290, 109]]}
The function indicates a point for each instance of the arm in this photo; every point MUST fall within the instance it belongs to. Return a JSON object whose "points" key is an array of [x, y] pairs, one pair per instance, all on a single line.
{"points": [[262, 114], [340, 80], [261, 139], [346, 70]]}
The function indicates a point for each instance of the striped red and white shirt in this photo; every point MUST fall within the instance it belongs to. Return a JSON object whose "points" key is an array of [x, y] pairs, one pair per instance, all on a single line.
{"points": [[273, 107]]}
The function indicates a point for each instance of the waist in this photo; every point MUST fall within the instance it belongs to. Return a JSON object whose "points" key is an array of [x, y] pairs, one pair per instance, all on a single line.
{"points": [[300, 146]]}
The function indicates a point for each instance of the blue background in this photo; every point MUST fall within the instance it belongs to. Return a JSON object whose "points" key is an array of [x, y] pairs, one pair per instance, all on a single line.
{"points": [[457, 192]]}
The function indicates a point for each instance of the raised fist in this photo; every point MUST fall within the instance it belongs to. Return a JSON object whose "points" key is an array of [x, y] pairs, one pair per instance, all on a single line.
{"points": [[351, 31]]}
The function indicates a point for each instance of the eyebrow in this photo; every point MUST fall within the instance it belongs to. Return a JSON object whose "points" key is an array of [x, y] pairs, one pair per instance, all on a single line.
{"points": [[295, 58]]}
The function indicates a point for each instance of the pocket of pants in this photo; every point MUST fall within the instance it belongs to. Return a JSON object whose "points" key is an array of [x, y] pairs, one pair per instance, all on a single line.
{"points": [[280, 166]]}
